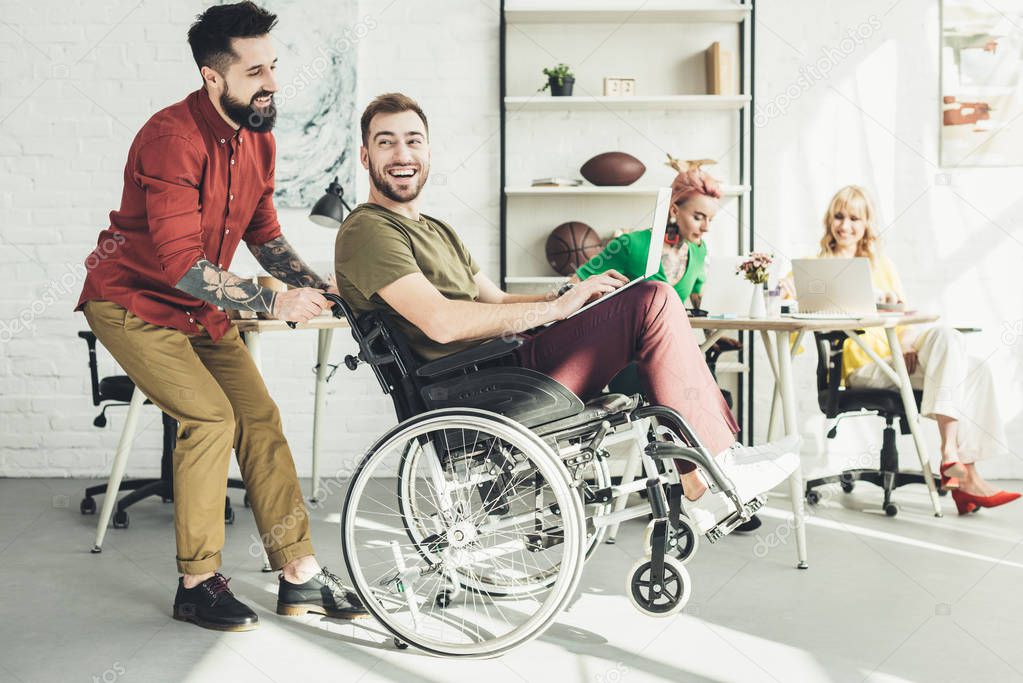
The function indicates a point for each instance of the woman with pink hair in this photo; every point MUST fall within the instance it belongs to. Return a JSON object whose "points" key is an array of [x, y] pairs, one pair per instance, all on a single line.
{"points": [[694, 203]]}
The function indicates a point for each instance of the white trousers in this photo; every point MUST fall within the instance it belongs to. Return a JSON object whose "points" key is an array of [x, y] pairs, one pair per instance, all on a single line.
{"points": [[954, 385]]}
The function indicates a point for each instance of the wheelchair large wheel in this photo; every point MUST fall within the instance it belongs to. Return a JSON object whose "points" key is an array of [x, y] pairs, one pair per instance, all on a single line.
{"points": [[589, 479], [409, 565]]}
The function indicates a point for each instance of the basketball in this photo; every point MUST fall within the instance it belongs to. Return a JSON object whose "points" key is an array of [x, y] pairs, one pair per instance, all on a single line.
{"points": [[570, 245]]}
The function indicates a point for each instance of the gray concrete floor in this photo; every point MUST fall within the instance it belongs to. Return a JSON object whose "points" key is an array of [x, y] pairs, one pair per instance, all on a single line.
{"points": [[910, 598]]}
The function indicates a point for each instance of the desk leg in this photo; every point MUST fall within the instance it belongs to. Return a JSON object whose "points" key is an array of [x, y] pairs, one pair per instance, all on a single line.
{"points": [[772, 360], [251, 339], [124, 445], [322, 353], [788, 405], [909, 405]]}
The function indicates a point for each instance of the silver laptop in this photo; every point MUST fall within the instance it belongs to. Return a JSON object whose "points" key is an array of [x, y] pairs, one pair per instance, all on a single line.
{"points": [[653, 256], [833, 288]]}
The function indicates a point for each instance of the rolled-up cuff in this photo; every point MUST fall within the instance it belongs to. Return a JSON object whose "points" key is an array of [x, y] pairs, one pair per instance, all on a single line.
{"points": [[203, 566], [283, 556]]}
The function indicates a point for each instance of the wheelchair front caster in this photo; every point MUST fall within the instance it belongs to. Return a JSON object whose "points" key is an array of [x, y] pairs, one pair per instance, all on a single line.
{"points": [[891, 509], [812, 497], [400, 644], [88, 506], [659, 596], [443, 599], [682, 541], [121, 519]]}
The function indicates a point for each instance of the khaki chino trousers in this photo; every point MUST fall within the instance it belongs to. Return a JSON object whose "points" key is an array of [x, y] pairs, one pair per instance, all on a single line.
{"points": [[219, 399]]}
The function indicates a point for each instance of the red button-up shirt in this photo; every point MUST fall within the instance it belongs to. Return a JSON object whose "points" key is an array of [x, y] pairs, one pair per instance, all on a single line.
{"points": [[193, 188]]}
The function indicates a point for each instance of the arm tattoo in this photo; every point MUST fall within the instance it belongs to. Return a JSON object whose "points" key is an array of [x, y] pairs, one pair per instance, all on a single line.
{"points": [[221, 288], [280, 260]]}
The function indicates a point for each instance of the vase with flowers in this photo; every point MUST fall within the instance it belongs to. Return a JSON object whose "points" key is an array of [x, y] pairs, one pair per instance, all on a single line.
{"points": [[755, 269]]}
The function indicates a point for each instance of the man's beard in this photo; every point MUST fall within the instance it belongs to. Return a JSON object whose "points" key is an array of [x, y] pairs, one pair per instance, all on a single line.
{"points": [[249, 116], [382, 182]]}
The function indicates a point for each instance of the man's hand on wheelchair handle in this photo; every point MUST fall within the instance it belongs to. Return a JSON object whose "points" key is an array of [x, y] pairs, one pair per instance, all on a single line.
{"points": [[586, 291], [299, 305]]}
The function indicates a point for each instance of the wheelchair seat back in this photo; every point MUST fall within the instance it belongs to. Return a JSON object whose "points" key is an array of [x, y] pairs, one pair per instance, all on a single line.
{"points": [[497, 384]]}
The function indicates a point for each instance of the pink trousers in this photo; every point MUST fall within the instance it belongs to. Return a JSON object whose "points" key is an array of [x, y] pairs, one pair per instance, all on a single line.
{"points": [[647, 324]]}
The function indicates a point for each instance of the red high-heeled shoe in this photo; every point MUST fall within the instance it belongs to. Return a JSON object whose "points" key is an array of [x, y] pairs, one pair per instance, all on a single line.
{"points": [[964, 502], [948, 483], [967, 502]]}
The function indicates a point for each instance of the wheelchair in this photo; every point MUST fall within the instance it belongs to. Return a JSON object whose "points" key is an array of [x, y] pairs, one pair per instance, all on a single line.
{"points": [[466, 526]]}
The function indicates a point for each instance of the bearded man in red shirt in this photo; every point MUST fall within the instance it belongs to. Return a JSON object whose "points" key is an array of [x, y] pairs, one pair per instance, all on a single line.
{"points": [[199, 179]]}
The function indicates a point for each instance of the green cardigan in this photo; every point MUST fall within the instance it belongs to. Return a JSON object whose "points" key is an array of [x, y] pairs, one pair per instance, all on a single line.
{"points": [[627, 255]]}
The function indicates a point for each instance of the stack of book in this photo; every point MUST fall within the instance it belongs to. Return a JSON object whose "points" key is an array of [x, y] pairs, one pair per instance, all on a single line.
{"points": [[557, 182]]}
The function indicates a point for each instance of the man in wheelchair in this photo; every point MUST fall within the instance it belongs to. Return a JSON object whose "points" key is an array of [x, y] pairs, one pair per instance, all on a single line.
{"points": [[413, 268]]}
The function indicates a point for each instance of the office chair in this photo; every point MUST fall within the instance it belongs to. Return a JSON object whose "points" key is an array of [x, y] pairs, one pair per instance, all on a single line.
{"points": [[115, 391], [838, 402]]}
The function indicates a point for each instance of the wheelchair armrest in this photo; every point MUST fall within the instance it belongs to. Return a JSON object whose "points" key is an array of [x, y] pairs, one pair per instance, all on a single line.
{"points": [[491, 350]]}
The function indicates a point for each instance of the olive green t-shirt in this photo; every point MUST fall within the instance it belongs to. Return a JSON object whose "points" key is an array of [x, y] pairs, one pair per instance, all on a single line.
{"points": [[376, 246]]}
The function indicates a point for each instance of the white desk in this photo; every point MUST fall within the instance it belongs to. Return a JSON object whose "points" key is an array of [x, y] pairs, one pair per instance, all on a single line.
{"points": [[776, 333]]}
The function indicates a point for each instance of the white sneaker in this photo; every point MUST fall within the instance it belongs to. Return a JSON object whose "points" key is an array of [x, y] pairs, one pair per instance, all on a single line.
{"points": [[754, 470]]}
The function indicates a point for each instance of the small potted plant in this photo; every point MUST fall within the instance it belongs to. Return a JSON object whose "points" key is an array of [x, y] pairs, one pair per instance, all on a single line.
{"points": [[755, 269], [559, 79]]}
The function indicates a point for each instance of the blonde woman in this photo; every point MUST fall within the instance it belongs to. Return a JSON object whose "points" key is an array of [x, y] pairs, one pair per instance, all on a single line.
{"points": [[958, 392]]}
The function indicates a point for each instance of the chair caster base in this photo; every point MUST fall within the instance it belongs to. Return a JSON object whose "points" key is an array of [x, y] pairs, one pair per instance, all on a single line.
{"points": [[121, 519], [95, 550]]}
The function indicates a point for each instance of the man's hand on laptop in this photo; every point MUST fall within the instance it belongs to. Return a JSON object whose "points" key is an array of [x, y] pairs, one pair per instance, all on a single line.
{"points": [[299, 305], [586, 291]]}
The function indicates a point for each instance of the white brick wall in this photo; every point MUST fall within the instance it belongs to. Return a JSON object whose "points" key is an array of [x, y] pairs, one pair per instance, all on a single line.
{"points": [[77, 80]]}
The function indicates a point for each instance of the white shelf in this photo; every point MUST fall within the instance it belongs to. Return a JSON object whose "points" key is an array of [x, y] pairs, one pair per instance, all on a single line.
{"points": [[729, 366], [540, 102], [595, 190], [536, 12]]}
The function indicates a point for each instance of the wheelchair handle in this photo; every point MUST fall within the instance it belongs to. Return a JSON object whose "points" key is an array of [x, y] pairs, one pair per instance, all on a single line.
{"points": [[337, 308]]}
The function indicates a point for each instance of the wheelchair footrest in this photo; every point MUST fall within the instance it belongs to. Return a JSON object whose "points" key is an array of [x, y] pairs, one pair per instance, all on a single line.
{"points": [[728, 524]]}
